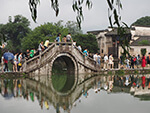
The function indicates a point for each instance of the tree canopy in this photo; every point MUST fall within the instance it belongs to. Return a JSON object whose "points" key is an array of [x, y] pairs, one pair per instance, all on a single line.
{"points": [[50, 31], [143, 21], [14, 31], [114, 7], [87, 41], [41, 33]]}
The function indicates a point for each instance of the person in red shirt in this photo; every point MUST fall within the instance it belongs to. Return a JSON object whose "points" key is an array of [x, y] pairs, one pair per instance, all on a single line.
{"points": [[6, 65], [143, 61]]}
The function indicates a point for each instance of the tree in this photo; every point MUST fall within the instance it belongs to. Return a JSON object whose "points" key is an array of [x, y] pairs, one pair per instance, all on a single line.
{"points": [[43, 32], [143, 21], [15, 31], [87, 41], [114, 7], [73, 28]]}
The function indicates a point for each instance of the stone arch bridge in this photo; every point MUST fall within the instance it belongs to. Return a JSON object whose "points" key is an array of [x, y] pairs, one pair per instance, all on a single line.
{"points": [[74, 60]]}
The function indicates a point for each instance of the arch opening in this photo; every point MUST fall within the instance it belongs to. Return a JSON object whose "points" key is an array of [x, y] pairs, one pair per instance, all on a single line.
{"points": [[63, 74]]}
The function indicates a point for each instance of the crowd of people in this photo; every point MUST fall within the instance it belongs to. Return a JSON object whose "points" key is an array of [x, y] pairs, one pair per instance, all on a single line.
{"points": [[104, 62], [107, 61], [19, 57]]}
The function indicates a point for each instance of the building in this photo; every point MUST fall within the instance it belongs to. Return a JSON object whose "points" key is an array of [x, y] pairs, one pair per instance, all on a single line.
{"points": [[108, 40], [140, 40], [108, 43]]}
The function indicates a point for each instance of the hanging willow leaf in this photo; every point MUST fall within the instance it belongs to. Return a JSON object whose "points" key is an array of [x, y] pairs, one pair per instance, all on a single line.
{"points": [[33, 8], [57, 12], [73, 7], [110, 5], [125, 24], [110, 21], [116, 18], [112, 1], [55, 6], [89, 4]]}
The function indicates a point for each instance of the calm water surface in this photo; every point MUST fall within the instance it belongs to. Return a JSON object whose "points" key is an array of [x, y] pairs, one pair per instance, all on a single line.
{"points": [[63, 94]]}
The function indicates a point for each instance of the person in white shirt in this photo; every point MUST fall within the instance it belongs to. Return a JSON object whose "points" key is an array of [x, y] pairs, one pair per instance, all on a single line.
{"points": [[69, 38], [105, 61], [95, 58], [127, 63], [111, 63], [79, 47]]}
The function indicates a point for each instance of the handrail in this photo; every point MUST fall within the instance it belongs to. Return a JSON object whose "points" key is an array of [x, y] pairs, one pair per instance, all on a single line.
{"points": [[38, 61]]}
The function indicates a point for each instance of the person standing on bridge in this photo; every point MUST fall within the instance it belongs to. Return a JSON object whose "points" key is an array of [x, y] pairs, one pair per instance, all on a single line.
{"points": [[85, 52], [19, 61], [46, 44], [79, 47], [95, 58], [15, 63], [69, 38], [41, 47], [64, 39], [105, 61], [6, 65], [111, 63], [58, 37]]}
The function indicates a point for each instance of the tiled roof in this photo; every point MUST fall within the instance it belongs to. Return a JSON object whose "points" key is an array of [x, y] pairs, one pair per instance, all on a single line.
{"points": [[141, 38], [96, 32], [114, 32]]}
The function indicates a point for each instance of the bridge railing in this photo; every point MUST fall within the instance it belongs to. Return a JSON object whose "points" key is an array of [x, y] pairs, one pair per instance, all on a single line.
{"points": [[42, 58], [34, 62], [86, 60], [38, 60]]}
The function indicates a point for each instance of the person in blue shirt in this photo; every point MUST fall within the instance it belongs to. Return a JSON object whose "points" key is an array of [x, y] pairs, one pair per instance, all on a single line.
{"points": [[58, 38], [85, 52]]}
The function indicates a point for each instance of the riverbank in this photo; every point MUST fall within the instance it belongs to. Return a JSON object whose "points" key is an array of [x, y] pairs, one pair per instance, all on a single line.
{"points": [[12, 74], [101, 72]]}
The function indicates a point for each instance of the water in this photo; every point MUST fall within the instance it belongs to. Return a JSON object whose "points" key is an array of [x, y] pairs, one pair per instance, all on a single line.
{"points": [[65, 94]]}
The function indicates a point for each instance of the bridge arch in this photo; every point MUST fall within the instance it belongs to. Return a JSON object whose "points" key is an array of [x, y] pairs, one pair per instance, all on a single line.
{"points": [[67, 62], [72, 57], [68, 59]]}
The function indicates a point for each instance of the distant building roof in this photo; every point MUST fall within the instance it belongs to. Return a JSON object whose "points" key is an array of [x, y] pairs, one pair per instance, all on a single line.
{"points": [[96, 32], [141, 38], [140, 25], [114, 32]]}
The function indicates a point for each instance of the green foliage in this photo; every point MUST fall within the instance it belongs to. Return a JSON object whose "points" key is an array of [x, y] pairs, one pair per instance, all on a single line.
{"points": [[15, 31], [41, 33], [110, 73], [120, 72], [143, 21], [144, 42], [87, 41], [73, 28], [136, 72], [143, 51]]}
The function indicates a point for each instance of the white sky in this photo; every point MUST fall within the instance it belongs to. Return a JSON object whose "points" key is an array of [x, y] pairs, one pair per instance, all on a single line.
{"points": [[94, 19]]}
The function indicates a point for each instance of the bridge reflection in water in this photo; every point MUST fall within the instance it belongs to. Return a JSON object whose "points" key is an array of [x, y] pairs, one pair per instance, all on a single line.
{"points": [[62, 91]]}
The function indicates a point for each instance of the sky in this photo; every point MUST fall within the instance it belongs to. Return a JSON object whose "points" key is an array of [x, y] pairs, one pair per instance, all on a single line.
{"points": [[94, 19]]}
